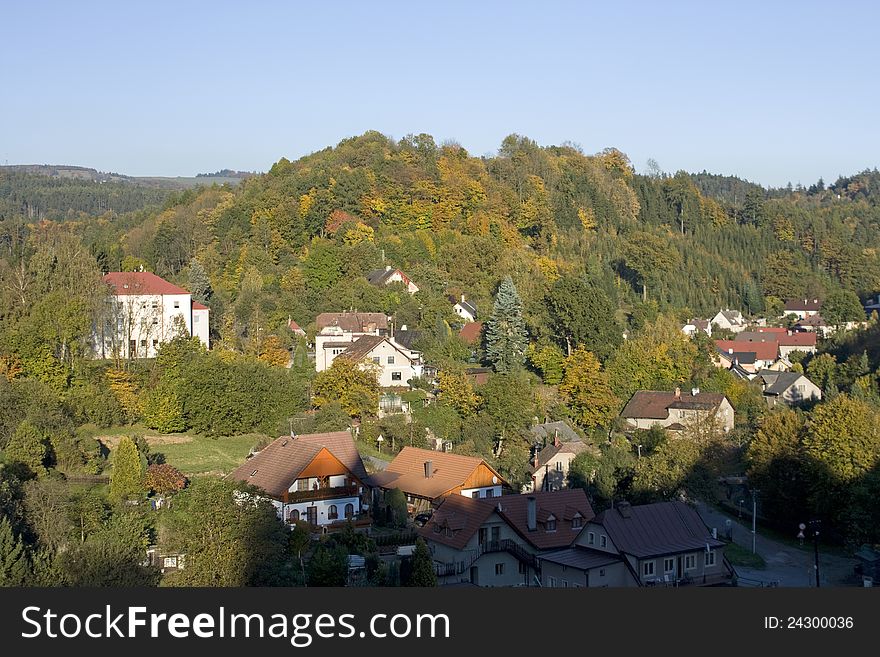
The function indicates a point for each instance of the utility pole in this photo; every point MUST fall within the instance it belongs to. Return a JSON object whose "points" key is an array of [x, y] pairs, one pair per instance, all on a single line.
{"points": [[815, 525], [754, 520]]}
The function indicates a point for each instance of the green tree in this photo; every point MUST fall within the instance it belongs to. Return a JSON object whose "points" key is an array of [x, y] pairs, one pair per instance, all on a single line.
{"points": [[506, 335], [395, 503], [587, 391], [457, 392], [14, 567], [651, 257], [822, 370], [548, 360], [353, 385], [328, 566], [127, 476], [842, 306], [844, 438], [583, 315], [29, 447], [422, 566], [199, 283]]}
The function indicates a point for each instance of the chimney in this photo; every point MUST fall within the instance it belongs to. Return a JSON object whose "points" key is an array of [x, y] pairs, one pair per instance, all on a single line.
{"points": [[429, 469], [730, 350], [678, 392], [462, 298], [532, 514], [387, 267]]}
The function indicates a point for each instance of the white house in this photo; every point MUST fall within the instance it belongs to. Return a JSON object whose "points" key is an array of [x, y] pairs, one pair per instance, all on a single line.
{"points": [[337, 331], [694, 325], [145, 311], [802, 308], [389, 275], [731, 320], [464, 309], [396, 364]]}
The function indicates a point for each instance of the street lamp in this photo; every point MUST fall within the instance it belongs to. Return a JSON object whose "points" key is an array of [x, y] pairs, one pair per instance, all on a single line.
{"points": [[640, 450], [814, 527], [754, 519]]}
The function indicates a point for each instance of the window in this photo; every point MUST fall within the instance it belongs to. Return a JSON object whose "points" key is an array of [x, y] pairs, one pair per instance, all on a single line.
{"points": [[475, 494], [349, 510], [155, 342], [143, 343], [437, 529], [558, 466], [302, 484], [603, 541], [170, 562], [490, 492], [155, 321], [577, 522], [565, 583], [332, 512], [523, 569], [710, 558], [395, 376], [591, 538], [391, 360], [690, 561], [601, 572], [293, 516], [154, 305], [648, 569], [376, 360], [550, 526], [176, 305], [196, 319], [551, 581], [668, 565], [499, 568]]}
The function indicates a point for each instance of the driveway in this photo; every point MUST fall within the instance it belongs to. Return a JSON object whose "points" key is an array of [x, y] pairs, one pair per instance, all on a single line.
{"points": [[787, 565]]}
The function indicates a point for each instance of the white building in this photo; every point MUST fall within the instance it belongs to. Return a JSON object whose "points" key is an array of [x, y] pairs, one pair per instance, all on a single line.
{"points": [[465, 309], [337, 331], [396, 365], [389, 275], [146, 310], [731, 320]]}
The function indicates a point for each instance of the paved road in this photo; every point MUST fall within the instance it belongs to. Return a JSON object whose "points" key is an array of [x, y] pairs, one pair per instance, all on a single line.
{"points": [[787, 565]]}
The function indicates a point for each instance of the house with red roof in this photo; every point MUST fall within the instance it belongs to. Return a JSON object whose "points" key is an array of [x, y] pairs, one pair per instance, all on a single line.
{"points": [[146, 310]]}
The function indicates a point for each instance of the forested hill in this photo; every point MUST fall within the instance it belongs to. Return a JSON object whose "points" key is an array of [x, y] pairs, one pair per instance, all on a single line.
{"points": [[299, 238]]}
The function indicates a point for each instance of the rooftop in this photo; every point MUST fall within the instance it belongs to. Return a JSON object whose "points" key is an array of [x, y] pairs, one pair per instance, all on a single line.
{"points": [[140, 282], [655, 404]]}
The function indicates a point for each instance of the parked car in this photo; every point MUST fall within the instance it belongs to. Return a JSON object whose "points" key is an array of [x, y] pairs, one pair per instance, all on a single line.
{"points": [[422, 518]]}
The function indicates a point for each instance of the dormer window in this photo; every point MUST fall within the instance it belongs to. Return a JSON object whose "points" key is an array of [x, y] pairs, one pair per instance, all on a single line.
{"points": [[550, 525], [577, 522]]}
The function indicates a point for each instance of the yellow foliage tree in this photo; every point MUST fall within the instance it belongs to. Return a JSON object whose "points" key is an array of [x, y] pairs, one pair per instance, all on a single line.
{"points": [[457, 392], [125, 390], [271, 351]]}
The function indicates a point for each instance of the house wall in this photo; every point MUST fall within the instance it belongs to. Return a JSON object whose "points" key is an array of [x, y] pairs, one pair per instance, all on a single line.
{"points": [[679, 567], [724, 415], [324, 356], [201, 326], [464, 314], [802, 390], [283, 509], [148, 319], [558, 479], [612, 575], [483, 491], [784, 351], [597, 531]]}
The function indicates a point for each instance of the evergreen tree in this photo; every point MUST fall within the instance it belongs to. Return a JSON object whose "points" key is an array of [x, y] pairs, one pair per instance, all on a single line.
{"points": [[199, 283], [506, 336], [127, 477], [13, 558], [422, 567], [29, 447]]}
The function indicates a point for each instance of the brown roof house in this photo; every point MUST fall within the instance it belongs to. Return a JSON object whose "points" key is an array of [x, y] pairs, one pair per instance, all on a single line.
{"points": [[676, 410], [318, 478], [426, 476], [556, 447], [802, 308], [666, 543], [389, 275], [496, 542], [790, 388]]}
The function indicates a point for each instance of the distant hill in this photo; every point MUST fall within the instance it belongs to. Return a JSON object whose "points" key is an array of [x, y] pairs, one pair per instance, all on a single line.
{"points": [[69, 172]]}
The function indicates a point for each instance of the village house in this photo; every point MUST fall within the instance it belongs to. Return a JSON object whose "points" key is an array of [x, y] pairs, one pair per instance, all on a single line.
{"points": [[729, 320], [786, 340], [426, 476], [497, 542], [790, 388], [336, 332], [464, 308], [674, 410], [395, 364], [316, 478], [294, 327], [556, 447], [665, 544], [694, 325], [389, 275], [802, 308], [751, 356], [146, 311]]}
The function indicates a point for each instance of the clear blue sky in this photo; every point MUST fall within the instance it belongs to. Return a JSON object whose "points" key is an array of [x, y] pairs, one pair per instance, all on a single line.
{"points": [[771, 91]]}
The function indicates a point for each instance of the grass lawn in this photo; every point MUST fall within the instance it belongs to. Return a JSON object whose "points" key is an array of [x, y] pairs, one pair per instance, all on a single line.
{"points": [[740, 556], [192, 454]]}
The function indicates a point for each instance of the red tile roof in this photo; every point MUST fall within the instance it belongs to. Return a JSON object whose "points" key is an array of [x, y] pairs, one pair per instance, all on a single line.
{"points": [[353, 322], [799, 339], [655, 404], [766, 351], [198, 306], [471, 332], [140, 282]]}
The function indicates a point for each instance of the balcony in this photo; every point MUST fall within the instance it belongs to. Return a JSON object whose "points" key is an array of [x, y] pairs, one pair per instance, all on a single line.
{"points": [[327, 493]]}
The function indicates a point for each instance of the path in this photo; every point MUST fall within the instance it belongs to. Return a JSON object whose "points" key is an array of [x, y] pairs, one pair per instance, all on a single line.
{"points": [[787, 565]]}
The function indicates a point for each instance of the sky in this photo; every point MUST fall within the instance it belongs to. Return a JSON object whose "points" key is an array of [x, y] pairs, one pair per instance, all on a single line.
{"points": [[774, 92]]}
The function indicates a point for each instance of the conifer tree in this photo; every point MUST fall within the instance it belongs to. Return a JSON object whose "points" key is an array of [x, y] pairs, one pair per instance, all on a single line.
{"points": [[127, 478], [422, 567], [199, 283], [13, 558], [506, 336]]}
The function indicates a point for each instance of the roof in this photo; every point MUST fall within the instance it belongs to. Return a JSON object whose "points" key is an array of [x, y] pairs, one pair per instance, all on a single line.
{"points": [[798, 339], [465, 515], [812, 305], [471, 332], [353, 322], [406, 338], [407, 472], [581, 558], [732, 316], [199, 306], [293, 326], [651, 530], [382, 276], [552, 429], [140, 282], [699, 324], [654, 404], [776, 383], [757, 336], [275, 467], [546, 455], [813, 320], [762, 350], [361, 348], [468, 307]]}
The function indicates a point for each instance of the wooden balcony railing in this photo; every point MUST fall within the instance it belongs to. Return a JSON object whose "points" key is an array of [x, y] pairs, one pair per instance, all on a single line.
{"points": [[322, 493]]}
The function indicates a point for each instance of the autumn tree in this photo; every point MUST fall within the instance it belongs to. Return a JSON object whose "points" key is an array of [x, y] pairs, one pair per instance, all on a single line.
{"points": [[587, 391], [164, 478], [127, 476], [505, 330], [354, 385], [844, 438], [457, 392]]}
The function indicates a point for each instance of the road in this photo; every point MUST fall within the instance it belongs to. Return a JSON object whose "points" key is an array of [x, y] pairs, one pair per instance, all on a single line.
{"points": [[787, 565]]}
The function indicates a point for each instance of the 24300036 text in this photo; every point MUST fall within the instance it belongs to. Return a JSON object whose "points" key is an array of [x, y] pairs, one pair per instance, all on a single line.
{"points": [[808, 622]]}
